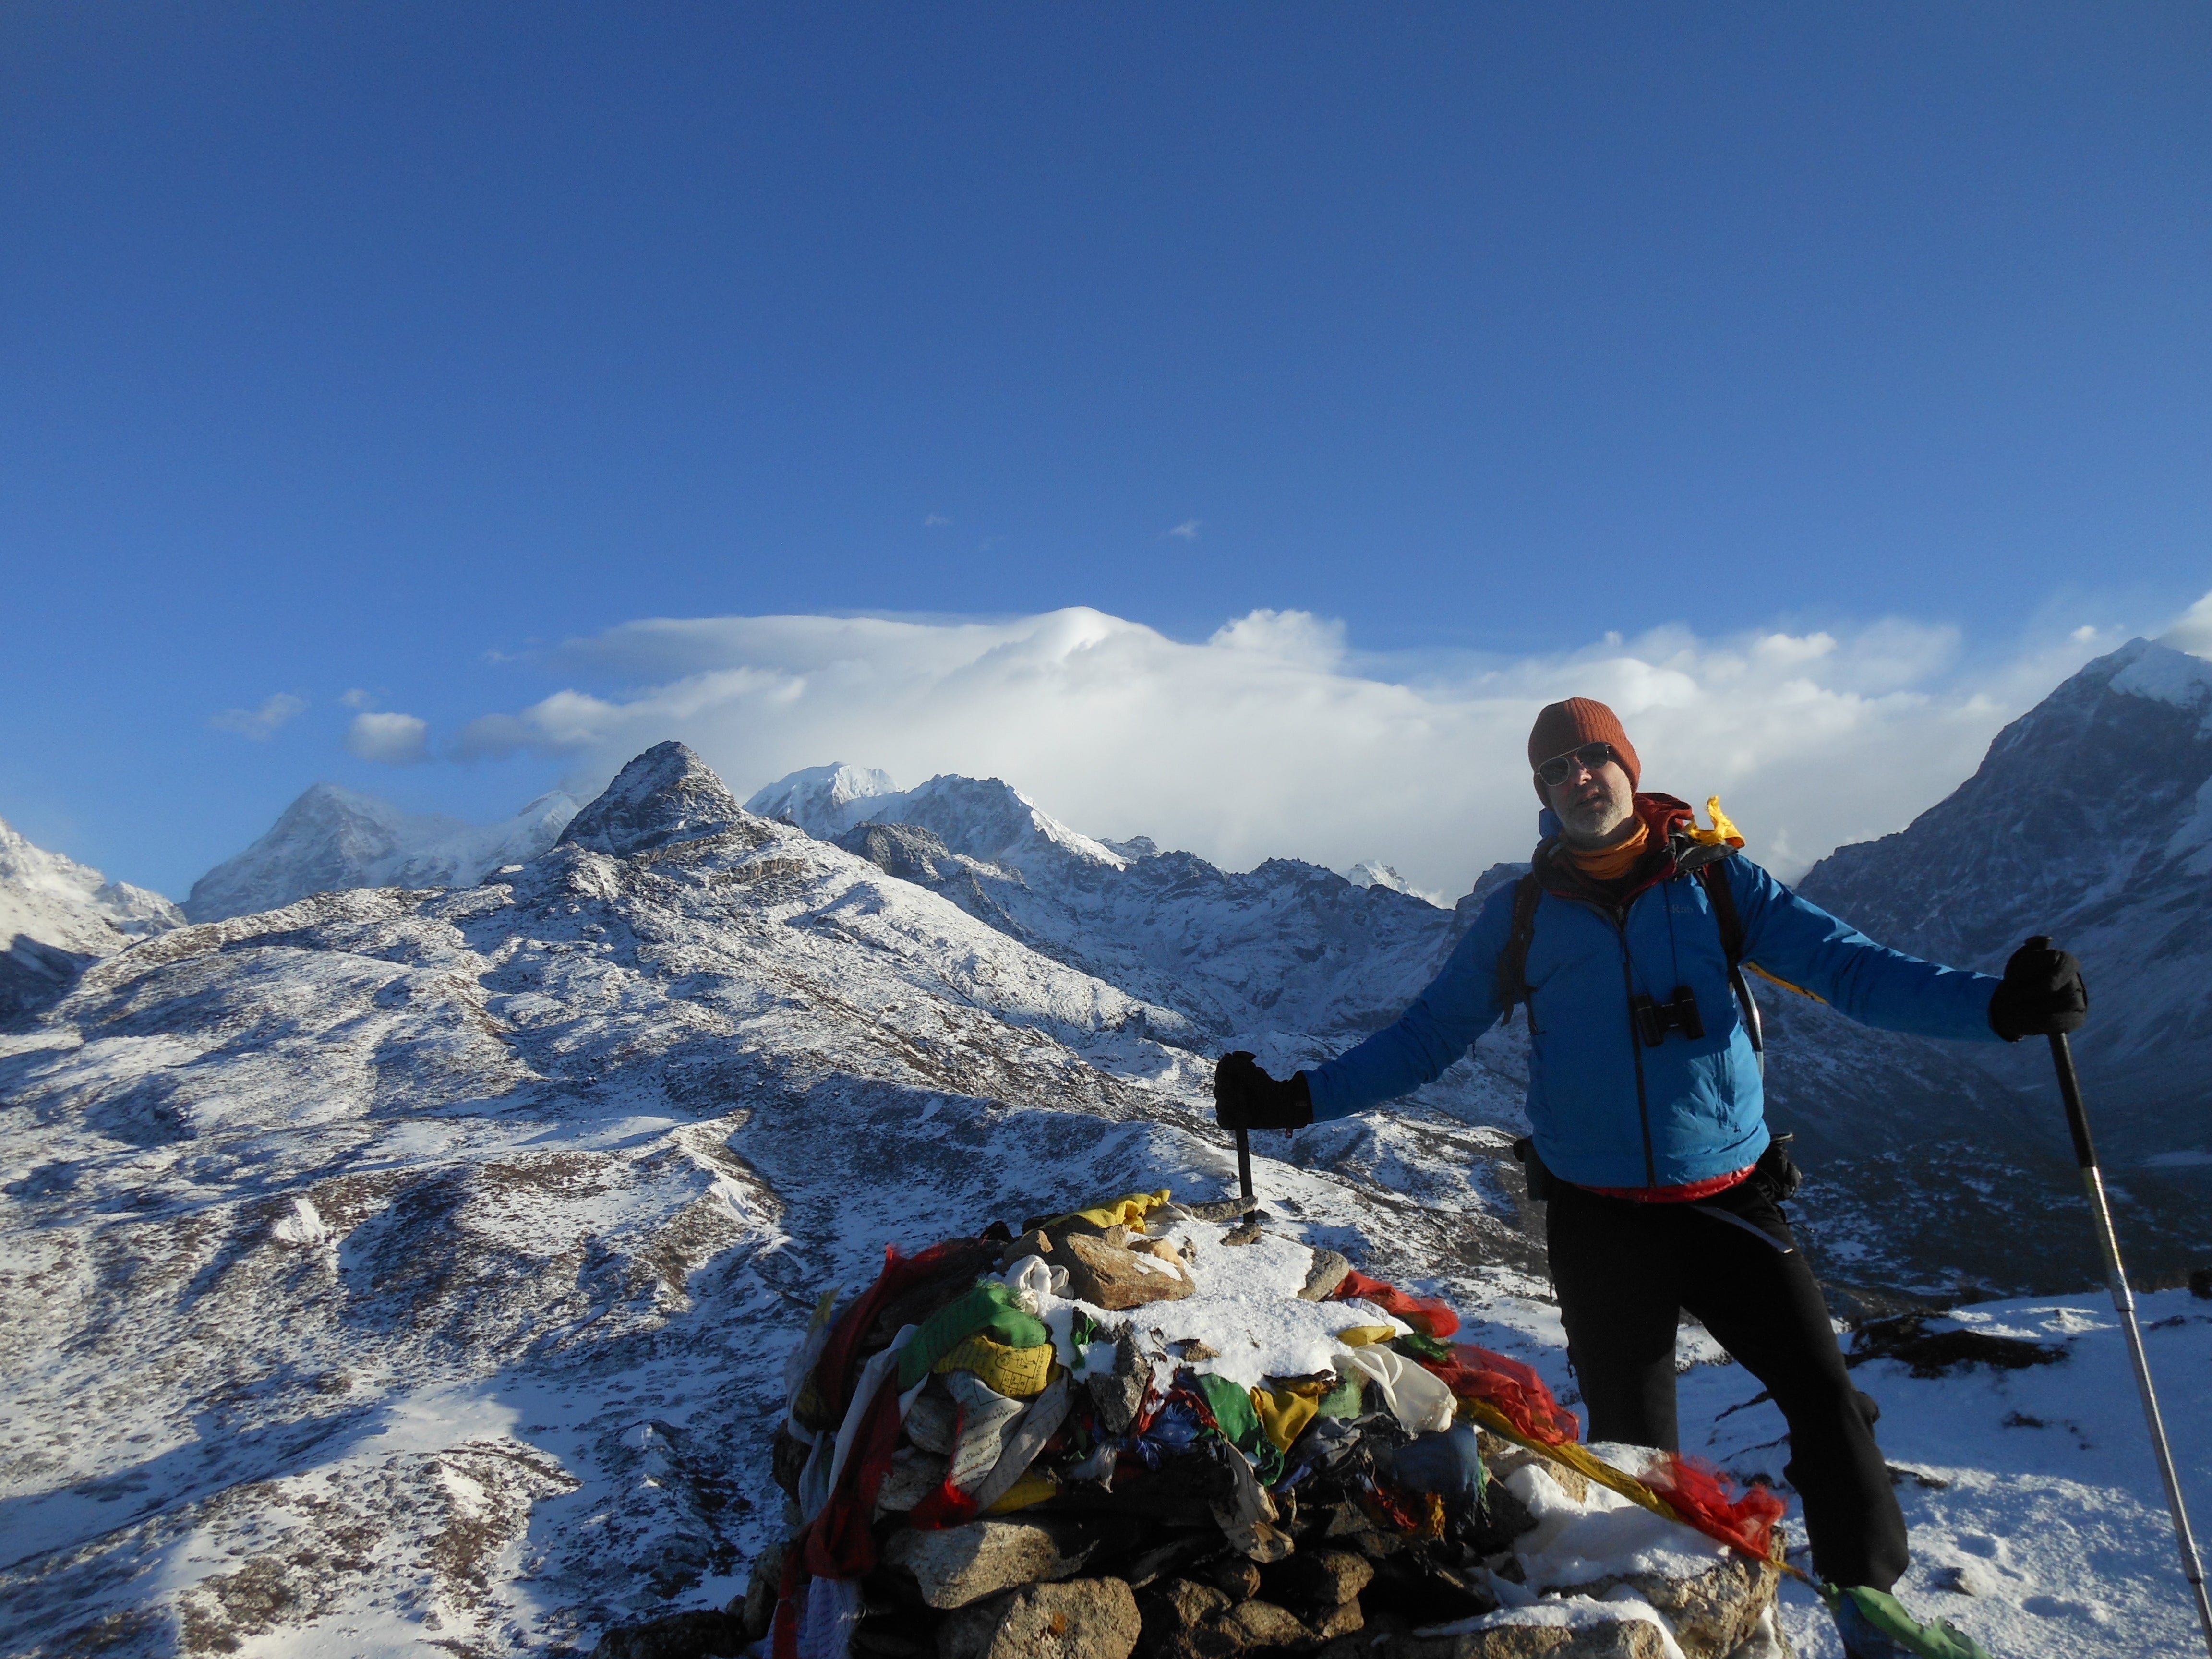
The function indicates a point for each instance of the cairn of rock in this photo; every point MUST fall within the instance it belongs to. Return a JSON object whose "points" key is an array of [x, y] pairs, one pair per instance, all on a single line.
{"points": [[1167, 1431]]}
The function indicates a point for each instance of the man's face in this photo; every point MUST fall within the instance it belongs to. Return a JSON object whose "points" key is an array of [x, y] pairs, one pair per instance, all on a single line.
{"points": [[1593, 806]]}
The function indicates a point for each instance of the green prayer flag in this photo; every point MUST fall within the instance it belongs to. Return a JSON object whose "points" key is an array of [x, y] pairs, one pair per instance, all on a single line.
{"points": [[989, 1309], [1346, 1398], [1860, 1611], [1239, 1422]]}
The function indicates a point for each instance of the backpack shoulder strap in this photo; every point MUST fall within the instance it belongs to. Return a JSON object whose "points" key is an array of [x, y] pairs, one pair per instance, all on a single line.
{"points": [[1725, 914], [1513, 960], [1729, 920]]}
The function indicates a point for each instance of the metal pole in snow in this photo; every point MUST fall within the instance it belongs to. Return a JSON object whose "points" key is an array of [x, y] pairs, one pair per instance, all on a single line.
{"points": [[2124, 1300]]}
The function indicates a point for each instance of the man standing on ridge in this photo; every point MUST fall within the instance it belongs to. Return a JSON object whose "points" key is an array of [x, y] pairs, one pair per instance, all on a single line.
{"points": [[1644, 1094]]}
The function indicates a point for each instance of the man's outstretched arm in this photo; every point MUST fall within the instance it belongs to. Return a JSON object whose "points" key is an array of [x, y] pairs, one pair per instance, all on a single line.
{"points": [[1799, 943], [1457, 1007]]}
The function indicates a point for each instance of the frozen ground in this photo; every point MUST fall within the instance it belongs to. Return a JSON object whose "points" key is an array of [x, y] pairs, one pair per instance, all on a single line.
{"points": [[2039, 1524]]}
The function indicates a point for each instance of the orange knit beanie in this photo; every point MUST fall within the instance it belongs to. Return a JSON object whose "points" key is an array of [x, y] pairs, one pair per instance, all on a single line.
{"points": [[1569, 724]]}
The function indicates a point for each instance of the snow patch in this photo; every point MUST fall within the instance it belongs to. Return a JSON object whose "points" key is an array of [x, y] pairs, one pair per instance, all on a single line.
{"points": [[304, 1226], [2166, 675]]}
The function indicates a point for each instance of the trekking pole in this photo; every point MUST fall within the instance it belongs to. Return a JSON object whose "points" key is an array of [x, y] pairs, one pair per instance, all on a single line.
{"points": [[1244, 1169], [2123, 1301]]}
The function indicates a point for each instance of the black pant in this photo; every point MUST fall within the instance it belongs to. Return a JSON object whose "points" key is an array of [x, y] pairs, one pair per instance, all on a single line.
{"points": [[1623, 1270]]}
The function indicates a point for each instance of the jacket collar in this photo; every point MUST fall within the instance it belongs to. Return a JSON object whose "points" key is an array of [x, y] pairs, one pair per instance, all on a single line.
{"points": [[1672, 854]]}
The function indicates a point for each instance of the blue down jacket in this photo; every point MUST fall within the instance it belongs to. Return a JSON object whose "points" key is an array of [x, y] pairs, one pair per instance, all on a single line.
{"points": [[1607, 1111]]}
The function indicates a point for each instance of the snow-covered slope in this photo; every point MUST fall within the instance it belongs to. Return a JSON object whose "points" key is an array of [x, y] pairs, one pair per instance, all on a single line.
{"points": [[331, 839], [406, 1267], [56, 913], [1289, 958], [403, 1270]]}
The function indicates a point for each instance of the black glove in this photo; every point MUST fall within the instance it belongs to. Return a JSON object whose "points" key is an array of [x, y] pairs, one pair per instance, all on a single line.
{"points": [[2042, 992], [1246, 1098]]}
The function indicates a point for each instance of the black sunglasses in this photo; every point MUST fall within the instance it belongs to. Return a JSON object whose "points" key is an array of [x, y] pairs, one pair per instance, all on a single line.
{"points": [[1557, 769]]}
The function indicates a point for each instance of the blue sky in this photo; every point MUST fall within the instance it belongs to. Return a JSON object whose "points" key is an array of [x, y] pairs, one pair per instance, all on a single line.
{"points": [[381, 349]]}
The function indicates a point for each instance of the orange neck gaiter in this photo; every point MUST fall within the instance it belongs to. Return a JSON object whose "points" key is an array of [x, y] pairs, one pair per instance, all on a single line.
{"points": [[1611, 863]]}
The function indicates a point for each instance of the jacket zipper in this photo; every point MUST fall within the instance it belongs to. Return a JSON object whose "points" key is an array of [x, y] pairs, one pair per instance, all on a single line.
{"points": [[1618, 916]]}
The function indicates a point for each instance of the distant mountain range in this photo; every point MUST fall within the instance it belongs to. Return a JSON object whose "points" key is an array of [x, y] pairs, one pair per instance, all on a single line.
{"points": [[452, 1239], [2090, 818], [56, 915], [332, 839], [1288, 956]]}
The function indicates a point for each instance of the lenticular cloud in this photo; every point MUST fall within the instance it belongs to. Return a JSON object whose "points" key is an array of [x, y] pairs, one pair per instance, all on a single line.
{"points": [[1274, 737]]}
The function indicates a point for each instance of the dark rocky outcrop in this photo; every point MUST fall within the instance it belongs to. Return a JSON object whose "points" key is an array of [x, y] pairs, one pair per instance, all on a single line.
{"points": [[666, 795]]}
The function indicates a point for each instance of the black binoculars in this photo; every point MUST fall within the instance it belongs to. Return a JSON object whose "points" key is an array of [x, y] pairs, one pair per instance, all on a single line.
{"points": [[1654, 1018]]}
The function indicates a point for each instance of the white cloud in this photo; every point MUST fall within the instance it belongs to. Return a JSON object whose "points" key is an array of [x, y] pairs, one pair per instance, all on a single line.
{"points": [[1274, 737], [356, 698], [259, 723], [932, 519], [388, 739], [1188, 529], [2192, 629]]}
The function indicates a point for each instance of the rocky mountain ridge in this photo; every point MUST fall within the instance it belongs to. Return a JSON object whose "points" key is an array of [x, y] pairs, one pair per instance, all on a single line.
{"points": [[332, 838], [422, 1261], [2090, 819], [56, 914], [1288, 958]]}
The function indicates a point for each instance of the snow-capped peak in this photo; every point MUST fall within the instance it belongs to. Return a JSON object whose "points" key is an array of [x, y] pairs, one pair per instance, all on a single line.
{"points": [[56, 912], [836, 797], [983, 818], [2163, 674], [58, 901], [666, 794], [332, 838], [1368, 873]]}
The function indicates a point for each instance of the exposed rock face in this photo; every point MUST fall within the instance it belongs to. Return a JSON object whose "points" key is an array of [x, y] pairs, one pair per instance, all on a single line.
{"points": [[1186, 1619], [1119, 1394], [756, 1610], [1316, 1579], [961, 1564], [2089, 819], [1622, 1638], [1329, 1270], [911, 851], [1715, 1612], [1077, 1619], [1295, 1604], [666, 795]]}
